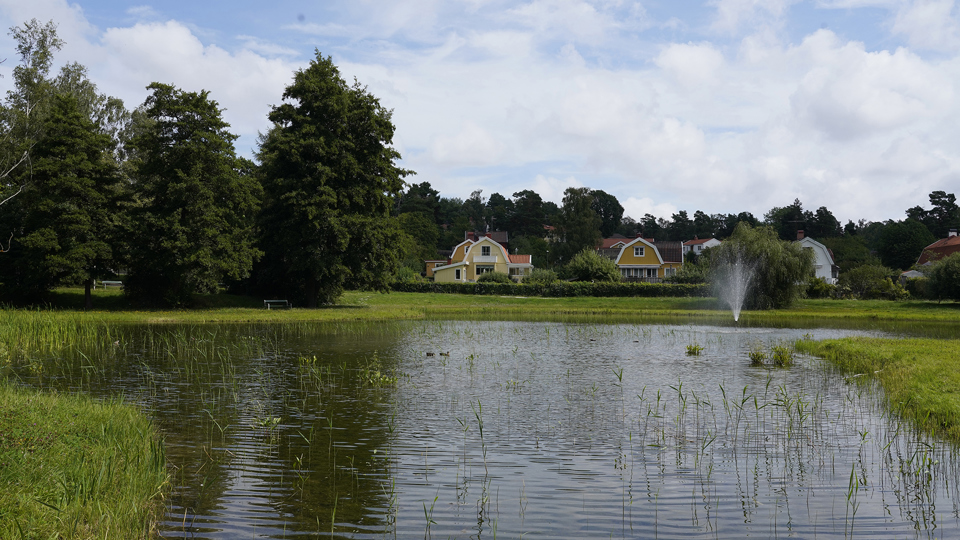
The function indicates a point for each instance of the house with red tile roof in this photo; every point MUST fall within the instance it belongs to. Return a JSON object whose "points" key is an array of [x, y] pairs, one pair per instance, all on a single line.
{"points": [[697, 245], [644, 259], [471, 259], [940, 249]]}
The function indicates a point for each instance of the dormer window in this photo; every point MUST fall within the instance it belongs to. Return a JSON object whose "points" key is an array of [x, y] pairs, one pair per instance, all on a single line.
{"points": [[638, 251], [466, 249], [485, 251]]}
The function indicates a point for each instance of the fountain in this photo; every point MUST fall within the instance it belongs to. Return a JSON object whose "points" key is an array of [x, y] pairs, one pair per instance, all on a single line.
{"points": [[735, 276]]}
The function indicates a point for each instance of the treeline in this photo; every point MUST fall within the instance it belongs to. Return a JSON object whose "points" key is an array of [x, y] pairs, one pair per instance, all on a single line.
{"points": [[438, 223], [90, 190]]}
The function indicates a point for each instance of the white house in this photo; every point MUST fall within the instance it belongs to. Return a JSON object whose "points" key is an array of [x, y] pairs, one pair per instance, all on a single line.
{"points": [[823, 265], [697, 245]]}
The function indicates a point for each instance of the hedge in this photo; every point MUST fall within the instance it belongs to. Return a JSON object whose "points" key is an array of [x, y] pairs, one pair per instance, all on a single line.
{"points": [[559, 289]]}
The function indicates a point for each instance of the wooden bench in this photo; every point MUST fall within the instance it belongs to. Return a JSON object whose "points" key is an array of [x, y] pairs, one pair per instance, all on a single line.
{"points": [[281, 304]]}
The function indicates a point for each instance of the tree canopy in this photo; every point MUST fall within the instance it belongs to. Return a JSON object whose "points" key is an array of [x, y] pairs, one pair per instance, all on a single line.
{"points": [[192, 226], [329, 175]]}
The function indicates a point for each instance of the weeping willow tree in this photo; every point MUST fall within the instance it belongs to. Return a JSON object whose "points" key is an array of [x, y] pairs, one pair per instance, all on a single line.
{"points": [[780, 269]]}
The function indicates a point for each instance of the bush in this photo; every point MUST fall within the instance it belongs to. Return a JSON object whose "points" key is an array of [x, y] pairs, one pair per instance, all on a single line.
{"points": [[494, 277], [872, 282], [819, 288], [943, 279], [407, 274], [540, 276], [589, 266], [559, 289]]}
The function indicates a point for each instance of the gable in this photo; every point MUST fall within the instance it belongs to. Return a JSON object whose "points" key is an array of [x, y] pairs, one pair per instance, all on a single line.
{"points": [[648, 253]]}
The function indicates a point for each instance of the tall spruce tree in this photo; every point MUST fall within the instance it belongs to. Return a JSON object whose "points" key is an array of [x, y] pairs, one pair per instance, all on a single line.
{"points": [[68, 211], [193, 220], [329, 173]]}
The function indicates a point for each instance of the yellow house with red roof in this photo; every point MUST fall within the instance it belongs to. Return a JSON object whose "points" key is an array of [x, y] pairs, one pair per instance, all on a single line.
{"points": [[471, 259]]}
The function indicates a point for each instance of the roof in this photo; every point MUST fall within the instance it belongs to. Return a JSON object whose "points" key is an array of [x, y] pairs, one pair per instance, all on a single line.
{"points": [[940, 249], [519, 259], [670, 251], [696, 241], [499, 237], [608, 243]]}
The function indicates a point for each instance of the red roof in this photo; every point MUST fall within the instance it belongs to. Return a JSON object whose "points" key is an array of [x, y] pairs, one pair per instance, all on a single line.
{"points": [[608, 243], [519, 259], [940, 249], [696, 241]]}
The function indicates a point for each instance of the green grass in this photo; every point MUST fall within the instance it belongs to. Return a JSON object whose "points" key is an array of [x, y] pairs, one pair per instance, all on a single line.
{"points": [[920, 377], [71, 467]]}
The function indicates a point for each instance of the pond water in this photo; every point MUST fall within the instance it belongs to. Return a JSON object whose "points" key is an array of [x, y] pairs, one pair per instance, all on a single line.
{"points": [[460, 429]]}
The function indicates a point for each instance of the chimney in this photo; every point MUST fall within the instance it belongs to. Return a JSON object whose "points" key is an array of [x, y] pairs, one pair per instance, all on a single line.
{"points": [[800, 234], [953, 232]]}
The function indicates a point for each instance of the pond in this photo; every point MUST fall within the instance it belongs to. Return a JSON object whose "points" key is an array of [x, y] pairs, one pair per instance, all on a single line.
{"points": [[485, 429]]}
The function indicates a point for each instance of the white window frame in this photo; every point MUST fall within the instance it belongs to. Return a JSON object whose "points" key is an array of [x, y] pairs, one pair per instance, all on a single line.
{"points": [[638, 251], [456, 274], [484, 251]]}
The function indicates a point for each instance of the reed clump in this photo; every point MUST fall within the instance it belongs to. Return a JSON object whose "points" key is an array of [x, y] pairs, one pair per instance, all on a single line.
{"points": [[72, 467]]}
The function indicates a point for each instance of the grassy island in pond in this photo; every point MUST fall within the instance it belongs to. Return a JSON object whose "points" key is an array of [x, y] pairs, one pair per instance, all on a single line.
{"points": [[72, 467]]}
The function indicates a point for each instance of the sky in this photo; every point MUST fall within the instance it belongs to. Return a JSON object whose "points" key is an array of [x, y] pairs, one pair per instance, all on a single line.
{"points": [[722, 106]]}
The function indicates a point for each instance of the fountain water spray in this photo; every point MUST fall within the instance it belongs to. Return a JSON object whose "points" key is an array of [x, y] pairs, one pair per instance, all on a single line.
{"points": [[735, 276]]}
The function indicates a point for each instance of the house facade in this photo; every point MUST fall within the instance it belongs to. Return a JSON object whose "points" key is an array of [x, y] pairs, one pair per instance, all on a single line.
{"points": [[471, 259], [824, 266], [646, 260], [697, 245]]}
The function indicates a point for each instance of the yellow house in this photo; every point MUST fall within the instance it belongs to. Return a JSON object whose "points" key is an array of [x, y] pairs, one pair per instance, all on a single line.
{"points": [[644, 259], [473, 259]]}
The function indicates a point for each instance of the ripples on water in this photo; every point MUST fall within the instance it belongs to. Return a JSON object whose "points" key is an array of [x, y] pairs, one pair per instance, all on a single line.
{"points": [[587, 431]]}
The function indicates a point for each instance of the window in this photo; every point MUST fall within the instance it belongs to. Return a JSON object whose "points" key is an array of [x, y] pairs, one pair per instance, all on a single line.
{"points": [[671, 271], [699, 248], [437, 265], [466, 249], [485, 251], [484, 269], [456, 274], [638, 251], [651, 272]]}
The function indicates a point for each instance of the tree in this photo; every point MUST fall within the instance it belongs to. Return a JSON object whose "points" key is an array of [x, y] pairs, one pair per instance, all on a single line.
{"points": [[609, 209], [68, 212], [850, 251], [23, 115], [901, 243], [193, 226], [943, 279], [822, 224], [528, 216], [579, 223], [329, 171], [498, 212], [587, 265], [871, 282], [780, 268], [681, 227], [421, 198], [944, 215], [786, 220]]}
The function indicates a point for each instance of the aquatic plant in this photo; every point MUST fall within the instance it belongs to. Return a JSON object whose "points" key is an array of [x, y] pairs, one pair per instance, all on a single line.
{"points": [[694, 349]]}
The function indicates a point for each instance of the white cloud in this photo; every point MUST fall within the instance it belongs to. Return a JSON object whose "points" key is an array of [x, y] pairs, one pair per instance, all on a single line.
{"points": [[689, 63], [471, 146], [732, 15], [638, 207], [929, 24], [551, 189]]}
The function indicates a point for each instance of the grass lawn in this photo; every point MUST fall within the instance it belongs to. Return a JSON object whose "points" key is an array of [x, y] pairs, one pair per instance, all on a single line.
{"points": [[71, 467]]}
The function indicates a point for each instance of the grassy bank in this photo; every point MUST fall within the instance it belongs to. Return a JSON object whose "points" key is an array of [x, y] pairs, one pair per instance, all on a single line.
{"points": [[920, 377], [71, 467]]}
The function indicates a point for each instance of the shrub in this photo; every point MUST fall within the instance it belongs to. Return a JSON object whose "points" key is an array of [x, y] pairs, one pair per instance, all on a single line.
{"points": [[943, 279], [540, 276], [559, 289], [494, 277], [819, 288], [872, 282], [589, 266], [406, 274]]}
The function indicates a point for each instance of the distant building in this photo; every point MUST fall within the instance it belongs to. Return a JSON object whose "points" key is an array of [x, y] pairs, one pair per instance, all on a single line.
{"points": [[824, 266], [697, 245], [940, 249]]}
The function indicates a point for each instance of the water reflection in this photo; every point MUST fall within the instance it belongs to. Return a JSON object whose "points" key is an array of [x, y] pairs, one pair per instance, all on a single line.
{"points": [[483, 429]]}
